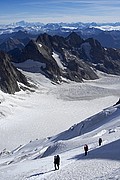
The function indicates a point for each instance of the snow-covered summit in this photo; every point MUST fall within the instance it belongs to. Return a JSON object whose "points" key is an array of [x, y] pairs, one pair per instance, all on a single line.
{"points": [[35, 27]]}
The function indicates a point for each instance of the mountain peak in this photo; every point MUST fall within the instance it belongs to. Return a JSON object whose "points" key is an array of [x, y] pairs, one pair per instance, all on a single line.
{"points": [[73, 35], [74, 39]]}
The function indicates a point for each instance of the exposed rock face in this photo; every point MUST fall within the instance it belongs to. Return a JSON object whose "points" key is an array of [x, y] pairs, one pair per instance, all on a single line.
{"points": [[42, 53], [11, 44], [97, 52], [75, 69], [106, 60], [74, 40], [78, 58], [9, 75]]}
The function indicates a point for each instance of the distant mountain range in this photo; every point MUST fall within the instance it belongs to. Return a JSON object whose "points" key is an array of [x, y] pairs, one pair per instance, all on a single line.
{"points": [[108, 34], [59, 58], [36, 27]]}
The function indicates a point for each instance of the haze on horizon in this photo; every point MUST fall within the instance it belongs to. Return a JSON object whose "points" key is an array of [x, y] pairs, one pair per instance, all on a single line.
{"points": [[50, 11]]}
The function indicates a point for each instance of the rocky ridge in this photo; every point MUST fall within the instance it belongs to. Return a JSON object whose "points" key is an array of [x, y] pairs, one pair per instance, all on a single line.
{"points": [[9, 75], [64, 58]]}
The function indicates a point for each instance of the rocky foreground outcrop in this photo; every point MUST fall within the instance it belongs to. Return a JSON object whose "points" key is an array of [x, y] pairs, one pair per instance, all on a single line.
{"points": [[9, 75]]}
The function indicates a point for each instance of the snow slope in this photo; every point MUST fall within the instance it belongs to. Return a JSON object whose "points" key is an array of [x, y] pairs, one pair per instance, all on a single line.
{"points": [[34, 161], [59, 119], [51, 108]]}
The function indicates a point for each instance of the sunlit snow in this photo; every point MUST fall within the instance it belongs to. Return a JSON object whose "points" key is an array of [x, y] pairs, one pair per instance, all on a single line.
{"points": [[60, 119], [58, 60]]}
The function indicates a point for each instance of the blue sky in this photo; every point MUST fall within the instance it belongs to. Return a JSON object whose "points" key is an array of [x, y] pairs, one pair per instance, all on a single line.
{"points": [[59, 11]]}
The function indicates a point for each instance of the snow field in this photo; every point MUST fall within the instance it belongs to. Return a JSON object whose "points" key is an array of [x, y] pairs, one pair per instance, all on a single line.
{"points": [[60, 119]]}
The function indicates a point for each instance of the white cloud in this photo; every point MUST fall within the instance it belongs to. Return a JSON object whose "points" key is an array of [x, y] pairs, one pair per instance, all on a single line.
{"points": [[65, 11]]}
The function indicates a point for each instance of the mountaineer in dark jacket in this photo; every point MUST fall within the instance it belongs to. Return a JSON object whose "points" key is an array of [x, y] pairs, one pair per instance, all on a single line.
{"points": [[56, 162], [86, 149], [100, 141]]}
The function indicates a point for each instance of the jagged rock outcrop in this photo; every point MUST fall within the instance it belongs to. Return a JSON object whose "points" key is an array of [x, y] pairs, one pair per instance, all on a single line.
{"points": [[9, 75], [89, 51], [41, 53], [74, 40], [74, 68], [71, 57], [104, 59], [11, 44]]}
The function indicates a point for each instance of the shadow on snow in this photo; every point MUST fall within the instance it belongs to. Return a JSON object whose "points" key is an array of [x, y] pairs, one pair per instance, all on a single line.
{"points": [[109, 151], [38, 174]]}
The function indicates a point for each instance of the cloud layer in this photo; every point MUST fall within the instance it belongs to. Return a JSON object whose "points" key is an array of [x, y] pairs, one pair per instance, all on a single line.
{"points": [[60, 10]]}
